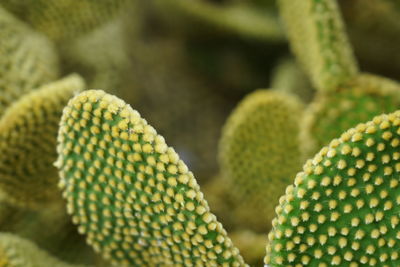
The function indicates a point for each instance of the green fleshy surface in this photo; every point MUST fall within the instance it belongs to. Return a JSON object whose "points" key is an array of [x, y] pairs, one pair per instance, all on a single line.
{"points": [[130, 193], [343, 208]]}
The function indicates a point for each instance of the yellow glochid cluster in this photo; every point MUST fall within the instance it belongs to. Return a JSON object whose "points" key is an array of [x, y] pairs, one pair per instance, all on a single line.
{"points": [[343, 208], [18, 252], [28, 137], [27, 60], [359, 100], [259, 152], [132, 196], [63, 20], [317, 35]]}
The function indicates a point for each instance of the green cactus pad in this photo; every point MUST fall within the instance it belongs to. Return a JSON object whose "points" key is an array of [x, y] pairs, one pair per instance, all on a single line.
{"points": [[28, 136], [18, 252], [360, 100], [260, 152], [63, 20], [129, 192], [27, 60], [317, 36], [343, 209]]}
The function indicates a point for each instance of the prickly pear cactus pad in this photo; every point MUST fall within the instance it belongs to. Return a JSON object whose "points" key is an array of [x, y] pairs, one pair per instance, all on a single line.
{"points": [[28, 136], [129, 192], [19, 252], [359, 100], [343, 209], [27, 59], [317, 35], [259, 152]]}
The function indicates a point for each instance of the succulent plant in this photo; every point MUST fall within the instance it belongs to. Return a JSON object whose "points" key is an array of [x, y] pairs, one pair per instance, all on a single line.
{"points": [[259, 152], [27, 59], [342, 209], [19, 252], [185, 65], [344, 96], [129, 192], [62, 20], [28, 134], [317, 36], [359, 100]]}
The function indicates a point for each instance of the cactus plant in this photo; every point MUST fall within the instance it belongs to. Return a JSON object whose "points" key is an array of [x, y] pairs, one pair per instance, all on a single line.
{"points": [[130, 193], [345, 96], [342, 209], [316, 34], [19, 252], [62, 20], [27, 60], [259, 152], [361, 99], [28, 132]]}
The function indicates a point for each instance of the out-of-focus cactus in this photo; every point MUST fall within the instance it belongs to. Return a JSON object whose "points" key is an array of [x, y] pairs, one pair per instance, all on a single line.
{"points": [[27, 60], [130, 193], [343, 208], [64, 20], [359, 100], [19, 252], [260, 152], [28, 133], [317, 36], [345, 97]]}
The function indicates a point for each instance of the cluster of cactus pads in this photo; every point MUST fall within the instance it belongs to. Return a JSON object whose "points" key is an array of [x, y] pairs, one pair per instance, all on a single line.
{"points": [[83, 165]]}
